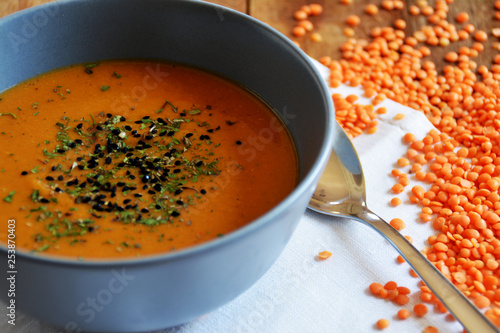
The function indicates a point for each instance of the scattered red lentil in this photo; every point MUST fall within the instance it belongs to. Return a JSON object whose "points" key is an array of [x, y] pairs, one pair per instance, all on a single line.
{"points": [[430, 329], [397, 224], [460, 161], [403, 314], [420, 310], [395, 202], [382, 324], [371, 9], [323, 255], [353, 20]]}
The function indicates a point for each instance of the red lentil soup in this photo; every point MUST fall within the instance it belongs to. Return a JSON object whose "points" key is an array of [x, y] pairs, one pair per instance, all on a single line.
{"points": [[130, 158]]}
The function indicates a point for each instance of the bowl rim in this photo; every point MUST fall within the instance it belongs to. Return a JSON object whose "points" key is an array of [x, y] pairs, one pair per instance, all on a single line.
{"points": [[235, 235]]}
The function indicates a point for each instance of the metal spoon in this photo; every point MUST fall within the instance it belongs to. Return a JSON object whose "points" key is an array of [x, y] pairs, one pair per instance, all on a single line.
{"points": [[341, 192]]}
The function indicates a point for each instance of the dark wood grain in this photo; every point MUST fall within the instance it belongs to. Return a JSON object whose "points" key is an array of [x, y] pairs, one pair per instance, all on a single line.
{"points": [[331, 23]]}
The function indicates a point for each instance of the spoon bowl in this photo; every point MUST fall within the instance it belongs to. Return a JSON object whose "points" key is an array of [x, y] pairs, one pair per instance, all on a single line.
{"points": [[341, 192]]}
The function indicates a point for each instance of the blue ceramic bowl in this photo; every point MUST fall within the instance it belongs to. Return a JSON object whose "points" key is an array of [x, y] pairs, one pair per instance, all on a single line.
{"points": [[170, 289]]}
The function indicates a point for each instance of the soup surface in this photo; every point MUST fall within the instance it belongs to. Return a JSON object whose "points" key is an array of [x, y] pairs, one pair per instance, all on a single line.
{"points": [[129, 158]]}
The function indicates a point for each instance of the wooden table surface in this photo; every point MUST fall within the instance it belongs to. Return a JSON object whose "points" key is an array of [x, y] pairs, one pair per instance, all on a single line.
{"points": [[330, 24]]}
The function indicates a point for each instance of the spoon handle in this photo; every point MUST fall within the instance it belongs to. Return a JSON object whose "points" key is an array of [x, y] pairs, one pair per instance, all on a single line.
{"points": [[464, 311]]}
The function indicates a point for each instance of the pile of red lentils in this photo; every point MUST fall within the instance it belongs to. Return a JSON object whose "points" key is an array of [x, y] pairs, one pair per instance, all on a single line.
{"points": [[458, 163]]}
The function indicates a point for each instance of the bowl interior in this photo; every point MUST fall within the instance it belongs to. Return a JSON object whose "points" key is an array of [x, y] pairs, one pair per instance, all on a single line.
{"points": [[195, 33]]}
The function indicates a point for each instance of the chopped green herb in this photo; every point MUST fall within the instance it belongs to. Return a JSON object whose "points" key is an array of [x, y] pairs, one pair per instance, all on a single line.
{"points": [[104, 88], [9, 114], [9, 197]]}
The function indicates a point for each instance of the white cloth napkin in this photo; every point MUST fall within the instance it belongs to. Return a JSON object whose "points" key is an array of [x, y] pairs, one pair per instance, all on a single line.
{"points": [[302, 294]]}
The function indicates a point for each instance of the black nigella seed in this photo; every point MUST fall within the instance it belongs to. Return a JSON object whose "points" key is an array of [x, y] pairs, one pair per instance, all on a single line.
{"points": [[171, 133], [108, 160], [189, 135], [90, 180], [182, 114], [79, 126], [116, 131], [122, 118], [79, 141], [109, 115], [60, 178], [167, 154], [99, 127], [54, 168], [157, 187], [131, 177], [173, 151], [179, 202], [128, 206], [81, 167], [126, 201], [203, 192], [128, 128], [210, 130], [24, 173], [72, 144], [113, 189], [163, 179], [146, 178], [145, 187], [177, 170], [157, 206], [121, 165], [120, 184], [144, 210], [79, 158], [106, 123], [148, 137], [163, 133], [238, 142], [177, 163], [199, 164], [175, 214], [129, 154], [209, 107], [49, 178], [154, 131], [43, 200], [88, 71], [70, 183], [61, 151], [125, 188], [138, 122], [83, 185], [145, 117], [151, 192], [58, 189], [113, 194], [178, 191], [137, 195]]}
